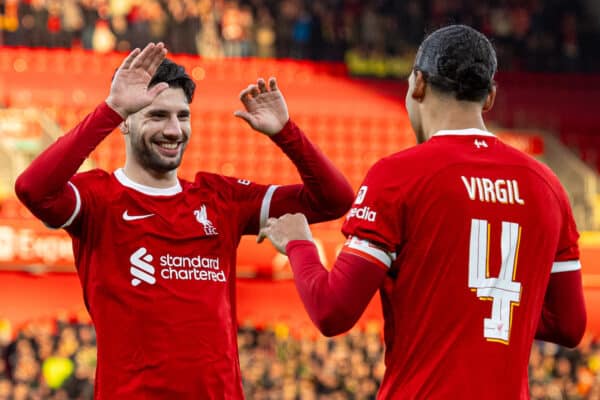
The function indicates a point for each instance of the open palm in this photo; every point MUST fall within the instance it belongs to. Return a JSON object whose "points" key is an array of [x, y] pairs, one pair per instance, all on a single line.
{"points": [[266, 110], [129, 90]]}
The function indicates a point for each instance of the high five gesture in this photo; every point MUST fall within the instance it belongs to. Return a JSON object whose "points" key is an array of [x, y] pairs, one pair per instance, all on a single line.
{"points": [[129, 90], [266, 110]]}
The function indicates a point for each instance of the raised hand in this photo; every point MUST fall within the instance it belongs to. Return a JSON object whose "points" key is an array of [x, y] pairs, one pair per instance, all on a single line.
{"points": [[285, 228], [129, 90], [266, 110]]}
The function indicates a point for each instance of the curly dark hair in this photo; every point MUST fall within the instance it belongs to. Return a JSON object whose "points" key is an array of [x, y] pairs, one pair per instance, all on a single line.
{"points": [[458, 60], [175, 75]]}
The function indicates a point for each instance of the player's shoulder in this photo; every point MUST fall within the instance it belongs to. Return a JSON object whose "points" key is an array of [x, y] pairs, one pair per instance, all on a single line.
{"points": [[93, 177], [203, 178], [219, 182], [402, 161], [532, 164]]}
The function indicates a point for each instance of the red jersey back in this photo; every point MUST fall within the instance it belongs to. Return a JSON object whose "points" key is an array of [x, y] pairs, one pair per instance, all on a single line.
{"points": [[472, 228], [157, 267]]}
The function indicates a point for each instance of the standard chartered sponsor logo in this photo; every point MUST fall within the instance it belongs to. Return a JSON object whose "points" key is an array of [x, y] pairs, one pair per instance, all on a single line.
{"points": [[141, 269], [172, 267]]}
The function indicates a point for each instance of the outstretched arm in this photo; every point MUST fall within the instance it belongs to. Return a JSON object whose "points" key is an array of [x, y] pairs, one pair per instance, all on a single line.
{"points": [[334, 299], [325, 193], [44, 186]]}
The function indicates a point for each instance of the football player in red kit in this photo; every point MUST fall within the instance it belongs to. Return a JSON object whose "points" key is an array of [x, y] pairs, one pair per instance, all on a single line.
{"points": [[156, 254], [471, 243]]}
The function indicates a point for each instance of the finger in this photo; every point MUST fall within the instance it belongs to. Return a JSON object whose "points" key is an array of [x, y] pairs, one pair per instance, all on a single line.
{"points": [[302, 217], [272, 221], [141, 56], [141, 61], [158, 89], [262, 86], [261, 235], [254, 90], [152, 57], [129, 59], [245, 95], [273, 83], [246, 116], [158, 59]]}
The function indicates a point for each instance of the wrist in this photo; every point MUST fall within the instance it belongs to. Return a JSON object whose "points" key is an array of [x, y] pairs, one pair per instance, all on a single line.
{"points": [[297, 244], [288, 132], [116, 108]]}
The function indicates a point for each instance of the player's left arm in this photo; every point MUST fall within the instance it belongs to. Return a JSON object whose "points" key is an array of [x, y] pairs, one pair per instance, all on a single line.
{"points": [[563, 318], [325, 193], [334, 299]]}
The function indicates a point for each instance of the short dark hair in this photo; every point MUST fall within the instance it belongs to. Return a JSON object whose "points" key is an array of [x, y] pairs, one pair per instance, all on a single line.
{"points": [[175, 75], [460, 60]]}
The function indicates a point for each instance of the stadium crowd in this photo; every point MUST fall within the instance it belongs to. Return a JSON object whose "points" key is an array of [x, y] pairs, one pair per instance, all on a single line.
{"points": [[535, 35], [56, 360]]}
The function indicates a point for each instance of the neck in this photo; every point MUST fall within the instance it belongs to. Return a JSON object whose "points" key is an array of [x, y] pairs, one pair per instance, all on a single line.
{"points": [[449, 114], [146, 177]]}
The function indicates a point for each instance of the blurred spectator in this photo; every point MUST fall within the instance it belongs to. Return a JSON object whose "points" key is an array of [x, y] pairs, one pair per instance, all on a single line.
{"points": [[376, 36], [56, 360]]}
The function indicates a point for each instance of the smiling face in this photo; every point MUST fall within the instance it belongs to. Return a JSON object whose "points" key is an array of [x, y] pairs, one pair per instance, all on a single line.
{"points": [[157, 135]]}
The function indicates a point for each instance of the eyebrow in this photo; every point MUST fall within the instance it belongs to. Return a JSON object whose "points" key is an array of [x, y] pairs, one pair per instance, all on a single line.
{"points": [[161, 112]]}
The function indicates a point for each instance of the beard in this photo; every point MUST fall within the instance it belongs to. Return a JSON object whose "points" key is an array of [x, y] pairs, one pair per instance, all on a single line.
{"points": [[150, 159]]}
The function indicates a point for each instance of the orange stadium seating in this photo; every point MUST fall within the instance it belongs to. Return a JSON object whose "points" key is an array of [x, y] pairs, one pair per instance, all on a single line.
{"points": [[352, 126], [353, 122]]}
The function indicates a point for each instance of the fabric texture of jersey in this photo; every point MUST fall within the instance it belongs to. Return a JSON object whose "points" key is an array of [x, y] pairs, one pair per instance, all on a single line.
{"points": [[470, 248], [159, 282], [157, 266]]}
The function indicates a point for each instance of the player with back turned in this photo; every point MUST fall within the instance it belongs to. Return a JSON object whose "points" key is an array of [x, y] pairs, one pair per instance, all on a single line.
{"points": [[156, 254], [471, 243]]}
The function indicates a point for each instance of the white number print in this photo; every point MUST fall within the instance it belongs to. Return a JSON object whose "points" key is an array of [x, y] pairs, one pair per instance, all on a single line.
{"points": [[503, 291]]}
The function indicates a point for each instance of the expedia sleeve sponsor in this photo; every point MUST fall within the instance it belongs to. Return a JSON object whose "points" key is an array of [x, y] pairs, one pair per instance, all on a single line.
{"points": [[364, 213]]}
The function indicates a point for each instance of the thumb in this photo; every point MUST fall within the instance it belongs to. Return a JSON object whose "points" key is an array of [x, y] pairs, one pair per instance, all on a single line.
{"points": [[158, 88], [246, 116], [262, 234]]}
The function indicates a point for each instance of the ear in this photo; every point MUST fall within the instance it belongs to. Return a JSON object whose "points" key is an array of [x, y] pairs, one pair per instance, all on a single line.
{"points": [[418, 93], [489, 101], [124, 127]]}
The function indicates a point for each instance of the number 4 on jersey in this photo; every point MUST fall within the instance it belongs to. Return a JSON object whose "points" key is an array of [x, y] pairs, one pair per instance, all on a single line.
{"points": [[503, 291]]}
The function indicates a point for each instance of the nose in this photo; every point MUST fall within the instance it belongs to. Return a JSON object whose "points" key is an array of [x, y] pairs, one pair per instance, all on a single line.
{"points": [[172, 127]]}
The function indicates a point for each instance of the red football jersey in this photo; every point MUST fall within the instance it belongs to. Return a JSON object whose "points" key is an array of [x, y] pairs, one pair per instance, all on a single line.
{"points": [[158, 276], [472, 229]]}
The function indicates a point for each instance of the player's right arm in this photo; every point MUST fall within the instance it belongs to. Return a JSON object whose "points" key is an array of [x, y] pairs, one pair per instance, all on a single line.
{"points": [[336, 299], [44, 186], [563, 317]]}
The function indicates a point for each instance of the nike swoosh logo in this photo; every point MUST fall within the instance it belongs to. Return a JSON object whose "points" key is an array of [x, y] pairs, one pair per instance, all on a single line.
{"points": [[128, 217]]}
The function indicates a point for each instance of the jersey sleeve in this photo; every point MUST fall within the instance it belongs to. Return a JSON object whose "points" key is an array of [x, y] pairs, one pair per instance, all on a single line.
{"points": [[45, 186], [88, 188], [252, 200], [373, 226], [325, 194], [567, 253]]}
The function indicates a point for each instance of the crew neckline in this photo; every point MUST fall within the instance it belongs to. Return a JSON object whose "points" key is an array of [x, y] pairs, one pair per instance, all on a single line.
{"points": [[463, 132], [149, 190]]}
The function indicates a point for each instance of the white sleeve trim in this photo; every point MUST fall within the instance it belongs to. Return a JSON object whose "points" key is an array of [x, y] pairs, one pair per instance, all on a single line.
{"points": [[77, 207], [565, 266], [364, 246], [266, 205]]}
